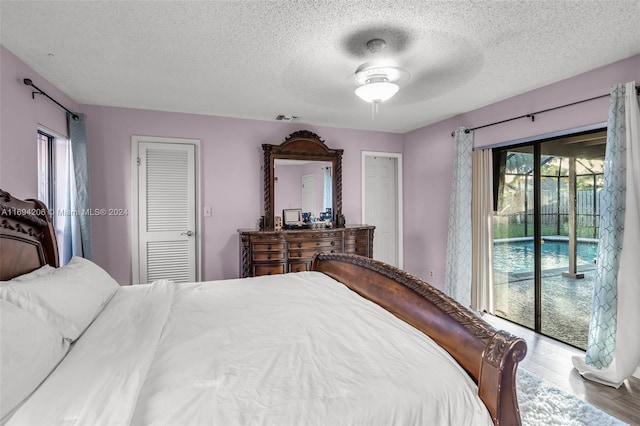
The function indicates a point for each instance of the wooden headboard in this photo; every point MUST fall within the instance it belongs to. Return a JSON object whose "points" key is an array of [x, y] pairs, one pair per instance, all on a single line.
{"points": [[27, 236]]}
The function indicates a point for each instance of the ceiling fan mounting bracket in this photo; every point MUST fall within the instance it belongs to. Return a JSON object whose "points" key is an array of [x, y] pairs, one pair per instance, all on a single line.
{"points": [[376, 45]]}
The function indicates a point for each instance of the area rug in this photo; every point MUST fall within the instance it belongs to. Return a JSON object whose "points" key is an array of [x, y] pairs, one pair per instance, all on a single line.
{"points": [[542, 403]]}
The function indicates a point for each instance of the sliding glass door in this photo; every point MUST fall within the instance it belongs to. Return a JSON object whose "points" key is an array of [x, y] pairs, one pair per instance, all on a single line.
{"points": [[545, 233], [513, 233]]}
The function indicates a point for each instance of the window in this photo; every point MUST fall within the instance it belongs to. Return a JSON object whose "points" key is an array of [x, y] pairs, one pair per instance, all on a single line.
{"points": [[46, 166], [54, 183]]}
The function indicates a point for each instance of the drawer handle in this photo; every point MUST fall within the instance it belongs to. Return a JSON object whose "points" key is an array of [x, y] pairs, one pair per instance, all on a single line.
{"points": [[333, 251], [356, 250], [356, 241], [299, 245], [333, 243], [269, 256], [269, 273], [269, 247]]}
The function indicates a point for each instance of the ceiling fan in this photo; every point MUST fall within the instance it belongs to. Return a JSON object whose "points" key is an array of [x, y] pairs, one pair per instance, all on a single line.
{"points": [[377, 80]]}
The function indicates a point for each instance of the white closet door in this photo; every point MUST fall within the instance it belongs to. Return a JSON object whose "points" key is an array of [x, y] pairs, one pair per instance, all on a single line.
{"points": [[381, 206], [167, 242]]}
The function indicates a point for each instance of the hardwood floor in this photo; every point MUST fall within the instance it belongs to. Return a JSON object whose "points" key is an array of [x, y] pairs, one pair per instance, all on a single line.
{"points": [[551, 360]]}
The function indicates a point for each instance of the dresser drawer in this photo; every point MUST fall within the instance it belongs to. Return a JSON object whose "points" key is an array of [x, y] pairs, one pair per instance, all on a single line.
{"points": [[361, 249], [308, 254], [298, 266], [268, 255], [356, 237], [316, 245], [325, 234], [274, 246], [259, 270]]}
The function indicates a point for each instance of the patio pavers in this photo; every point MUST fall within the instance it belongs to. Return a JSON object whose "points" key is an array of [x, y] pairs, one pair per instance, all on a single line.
{"points": [[566, 303]]}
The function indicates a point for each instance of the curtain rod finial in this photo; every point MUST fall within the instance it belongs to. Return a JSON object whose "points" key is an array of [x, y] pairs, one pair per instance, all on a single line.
{"points": [[28, 82], [466, 130]]}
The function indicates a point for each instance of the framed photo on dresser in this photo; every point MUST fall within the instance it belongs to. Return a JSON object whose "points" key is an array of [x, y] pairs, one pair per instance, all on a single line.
{"points": [[292, 217]]}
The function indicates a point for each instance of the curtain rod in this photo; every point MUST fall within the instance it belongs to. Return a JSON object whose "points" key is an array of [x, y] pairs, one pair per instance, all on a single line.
{"points": [[28, 82], [533, 114]]}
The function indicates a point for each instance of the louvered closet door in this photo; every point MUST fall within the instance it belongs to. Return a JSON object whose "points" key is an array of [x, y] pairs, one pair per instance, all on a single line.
{"points": [[167, 212]]}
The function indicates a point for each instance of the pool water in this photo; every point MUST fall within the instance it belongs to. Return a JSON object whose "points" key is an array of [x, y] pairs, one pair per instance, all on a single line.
{"points": [[518, 256]]}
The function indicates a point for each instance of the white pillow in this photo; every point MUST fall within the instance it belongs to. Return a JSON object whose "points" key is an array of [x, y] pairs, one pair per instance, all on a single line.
{"points": [[69, 298], [40, 272], [37, 307], [29, 351]]}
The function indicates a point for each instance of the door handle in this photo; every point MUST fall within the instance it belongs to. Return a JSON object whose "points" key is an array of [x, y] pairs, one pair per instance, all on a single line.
{"points": [[188, 233]]}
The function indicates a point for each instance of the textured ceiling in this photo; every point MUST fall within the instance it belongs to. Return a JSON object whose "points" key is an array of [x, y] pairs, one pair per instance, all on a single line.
{"points": [[258, 59]]}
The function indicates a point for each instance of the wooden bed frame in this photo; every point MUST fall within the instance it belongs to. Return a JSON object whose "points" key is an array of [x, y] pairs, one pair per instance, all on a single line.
{"points": [[490, 357]]}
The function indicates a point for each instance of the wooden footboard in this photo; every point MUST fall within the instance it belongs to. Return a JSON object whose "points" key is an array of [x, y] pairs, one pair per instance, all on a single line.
{"points": [[489, 356]]}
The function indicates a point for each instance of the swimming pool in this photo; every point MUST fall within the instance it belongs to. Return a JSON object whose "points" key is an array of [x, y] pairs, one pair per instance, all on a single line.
{"points": [[517, 256]]}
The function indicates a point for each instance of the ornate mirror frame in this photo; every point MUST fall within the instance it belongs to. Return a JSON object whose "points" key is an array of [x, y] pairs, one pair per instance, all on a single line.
{"points": [[301, 145]]}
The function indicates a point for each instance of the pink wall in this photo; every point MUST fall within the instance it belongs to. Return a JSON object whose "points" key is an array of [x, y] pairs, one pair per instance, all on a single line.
{"points": [[20, 116], [428, 152], [232, 179]]}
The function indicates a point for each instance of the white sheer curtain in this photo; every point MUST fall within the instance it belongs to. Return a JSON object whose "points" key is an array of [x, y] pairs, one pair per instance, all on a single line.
{"points": [[613, 349], [482, 225], [71, 193], [66, 222], [457, 278]]}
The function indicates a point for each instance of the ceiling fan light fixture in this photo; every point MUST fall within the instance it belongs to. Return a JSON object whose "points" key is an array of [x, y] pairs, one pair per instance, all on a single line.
{"points": [[377, 90]]}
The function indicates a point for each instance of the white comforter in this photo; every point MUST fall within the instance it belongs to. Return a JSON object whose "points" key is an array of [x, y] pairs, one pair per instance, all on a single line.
{"points": [[297, 349]]}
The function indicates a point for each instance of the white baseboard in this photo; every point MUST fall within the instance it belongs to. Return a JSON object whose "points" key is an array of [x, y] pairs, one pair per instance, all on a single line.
{"points": [[637, 373]]}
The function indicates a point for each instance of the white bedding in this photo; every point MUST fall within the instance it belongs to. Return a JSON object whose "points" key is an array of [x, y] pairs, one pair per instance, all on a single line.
{"points": [[295, 349]]}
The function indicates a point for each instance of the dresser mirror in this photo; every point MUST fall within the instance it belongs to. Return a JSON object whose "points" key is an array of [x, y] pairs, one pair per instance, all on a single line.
{"points": [[303, 184], [302, 155]]}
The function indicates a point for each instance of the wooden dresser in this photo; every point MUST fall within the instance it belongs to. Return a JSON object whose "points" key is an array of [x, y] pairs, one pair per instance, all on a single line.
{"points": [[280, 252]]}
